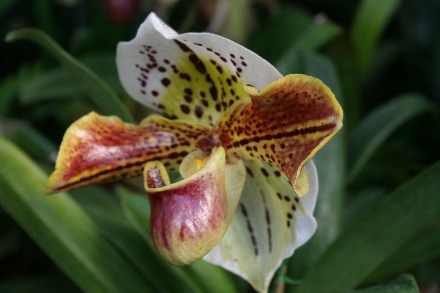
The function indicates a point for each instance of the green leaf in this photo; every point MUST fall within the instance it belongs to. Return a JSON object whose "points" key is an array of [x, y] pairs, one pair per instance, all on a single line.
{"points": [[100, 93], [378, 232], [47, 282], [289, 22], [370, 21], [10, 86], [402, 284], [6, 5], [62, 228], [421, 248], [213, 278], [378, 126], [345, 59], [107, 213], [137, 209], [8, 90], [58, 83], [27, 138], [317, 34]]}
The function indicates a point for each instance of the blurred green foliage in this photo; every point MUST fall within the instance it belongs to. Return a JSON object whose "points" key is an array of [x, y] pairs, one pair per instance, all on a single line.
{"points": [[378, 208]]}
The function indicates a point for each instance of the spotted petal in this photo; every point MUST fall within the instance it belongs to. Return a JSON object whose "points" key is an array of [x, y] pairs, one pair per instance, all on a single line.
{"points": [[193, 76], [268, 225], [284, 125], [188, 218], [100, 149]]}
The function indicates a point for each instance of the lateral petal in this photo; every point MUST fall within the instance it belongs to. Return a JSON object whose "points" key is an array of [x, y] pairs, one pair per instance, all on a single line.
{"points": [[194, 76], [190, 217], [284, 125], [98, 149], [268, 225]]}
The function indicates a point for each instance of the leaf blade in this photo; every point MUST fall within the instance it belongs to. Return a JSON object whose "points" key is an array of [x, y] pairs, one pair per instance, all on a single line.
{"points": [[375, 235], [99, 92], [62, 228], [365, 33], [378, 126]]}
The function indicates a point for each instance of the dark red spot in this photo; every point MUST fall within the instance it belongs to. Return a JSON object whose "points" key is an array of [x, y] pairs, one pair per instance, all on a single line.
{"points": [[182, 46], [199, 111], [197, 63], [185, 76], [214, 93], [184, 108], [249, 172], [166, 81]]}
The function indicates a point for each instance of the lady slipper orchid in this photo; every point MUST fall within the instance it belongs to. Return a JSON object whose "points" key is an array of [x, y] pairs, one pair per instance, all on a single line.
{"points": [[240, 134]]}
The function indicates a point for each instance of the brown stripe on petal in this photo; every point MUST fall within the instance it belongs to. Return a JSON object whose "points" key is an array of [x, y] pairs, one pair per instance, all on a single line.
{"points": [[295, 116], [250, 228], [99, 149]]}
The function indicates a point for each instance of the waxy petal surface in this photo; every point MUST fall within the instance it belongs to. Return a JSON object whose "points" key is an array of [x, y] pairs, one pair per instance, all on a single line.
{"points": [[188, 218], [99, 149], [194, 76], [268, 225], [284, 125]]}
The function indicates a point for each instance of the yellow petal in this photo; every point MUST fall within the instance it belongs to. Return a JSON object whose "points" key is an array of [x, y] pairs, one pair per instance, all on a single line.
{"points": [[99, 149], [194, 76], [284, 125]]}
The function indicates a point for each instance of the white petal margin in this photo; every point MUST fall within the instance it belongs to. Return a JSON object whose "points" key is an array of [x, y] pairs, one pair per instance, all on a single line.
{"points": [[269, 224], [155, 68]]}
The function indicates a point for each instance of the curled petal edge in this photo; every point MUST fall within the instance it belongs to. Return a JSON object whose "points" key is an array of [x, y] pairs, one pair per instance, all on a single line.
{"points": [[284, 125], [189, 218]]}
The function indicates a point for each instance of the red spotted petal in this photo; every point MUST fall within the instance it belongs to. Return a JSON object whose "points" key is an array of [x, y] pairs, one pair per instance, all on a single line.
{"points": [[100, 149], [284, 125]]}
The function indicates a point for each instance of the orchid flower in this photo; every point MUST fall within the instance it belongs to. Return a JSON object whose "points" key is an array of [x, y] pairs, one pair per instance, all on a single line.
{"points": [[241, 136]]}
